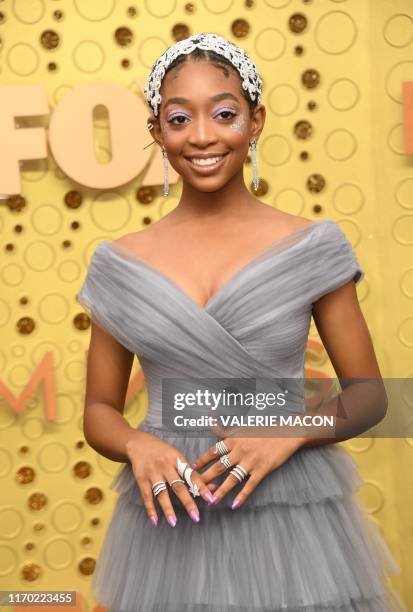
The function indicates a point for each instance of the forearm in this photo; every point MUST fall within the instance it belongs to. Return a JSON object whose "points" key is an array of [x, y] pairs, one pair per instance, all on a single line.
{"points": [[358, 408], [107, 431]]}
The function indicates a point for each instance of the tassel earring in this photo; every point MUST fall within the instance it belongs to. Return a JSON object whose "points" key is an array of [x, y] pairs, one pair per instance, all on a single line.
{"points": [[255, 179], [165, 171]]}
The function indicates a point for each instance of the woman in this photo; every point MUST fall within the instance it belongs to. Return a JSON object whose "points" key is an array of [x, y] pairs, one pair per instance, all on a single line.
{"points": [[224, 287]]}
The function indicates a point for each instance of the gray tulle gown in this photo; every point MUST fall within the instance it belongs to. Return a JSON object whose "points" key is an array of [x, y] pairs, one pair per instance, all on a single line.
{"points": [[301, 541]]}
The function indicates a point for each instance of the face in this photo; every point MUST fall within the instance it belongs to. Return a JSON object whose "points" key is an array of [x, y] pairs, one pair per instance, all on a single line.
{"points": [[203, 114]]}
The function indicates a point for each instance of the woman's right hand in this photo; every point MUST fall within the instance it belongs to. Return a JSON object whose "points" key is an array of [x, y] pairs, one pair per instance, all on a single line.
{"points": [[153, 459]]}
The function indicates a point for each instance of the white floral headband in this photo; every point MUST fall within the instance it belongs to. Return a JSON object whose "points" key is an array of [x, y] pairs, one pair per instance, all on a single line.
{"points": [[251, 80]]}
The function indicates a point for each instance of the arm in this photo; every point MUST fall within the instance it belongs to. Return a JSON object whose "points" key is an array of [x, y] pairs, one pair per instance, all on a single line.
{"points": [[345, 335], [109, 366]]}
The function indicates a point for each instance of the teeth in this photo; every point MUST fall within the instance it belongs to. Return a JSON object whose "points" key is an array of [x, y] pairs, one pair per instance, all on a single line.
{"points": [[205, 162]]}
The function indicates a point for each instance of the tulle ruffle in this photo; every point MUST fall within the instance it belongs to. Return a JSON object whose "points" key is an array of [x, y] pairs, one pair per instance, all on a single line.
{"points": [[301, 542], [319, 556]]}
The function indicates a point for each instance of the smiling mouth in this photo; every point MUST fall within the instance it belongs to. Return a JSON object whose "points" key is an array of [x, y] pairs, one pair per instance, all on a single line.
{"points": [[207, 163]]}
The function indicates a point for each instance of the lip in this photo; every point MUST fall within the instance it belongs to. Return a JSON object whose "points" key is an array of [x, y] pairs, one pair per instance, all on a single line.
{"points": [[207, 170]]}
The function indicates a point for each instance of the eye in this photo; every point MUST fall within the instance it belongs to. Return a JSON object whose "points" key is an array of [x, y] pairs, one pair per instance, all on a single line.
{"points": [[228, 112], [177, 117]]}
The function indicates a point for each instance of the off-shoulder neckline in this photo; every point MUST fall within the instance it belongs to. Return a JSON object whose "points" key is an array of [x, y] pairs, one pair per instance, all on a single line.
{"points": [[270, 250]]}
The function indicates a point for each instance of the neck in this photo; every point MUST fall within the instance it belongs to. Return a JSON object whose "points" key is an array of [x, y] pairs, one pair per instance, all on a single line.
{"points": [[232, 200]]}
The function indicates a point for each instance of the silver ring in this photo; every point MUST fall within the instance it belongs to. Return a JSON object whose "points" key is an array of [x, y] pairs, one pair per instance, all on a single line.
{"points": [[176, 480], [185, 470], [158, 487], [239, 472], [225, 461], [193, 488], [220, 448]]}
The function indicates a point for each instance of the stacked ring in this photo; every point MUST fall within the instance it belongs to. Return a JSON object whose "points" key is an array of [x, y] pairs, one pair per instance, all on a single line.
{"points": [[239, 472], [220, 448], [158, 486], [225, 461]]}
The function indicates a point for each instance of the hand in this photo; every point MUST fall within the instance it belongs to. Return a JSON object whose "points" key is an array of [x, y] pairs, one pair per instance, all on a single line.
{"points": [[153, 459], [258, 456]]}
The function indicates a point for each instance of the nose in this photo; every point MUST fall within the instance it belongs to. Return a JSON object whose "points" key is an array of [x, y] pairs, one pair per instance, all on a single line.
{"points": [[202, 132]]}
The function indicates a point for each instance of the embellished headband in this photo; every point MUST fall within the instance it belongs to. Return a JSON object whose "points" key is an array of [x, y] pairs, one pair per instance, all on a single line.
{"points": [[251, 80]]}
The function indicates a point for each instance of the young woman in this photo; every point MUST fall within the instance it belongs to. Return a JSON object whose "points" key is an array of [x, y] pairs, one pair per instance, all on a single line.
{"points": [[224, 287]]}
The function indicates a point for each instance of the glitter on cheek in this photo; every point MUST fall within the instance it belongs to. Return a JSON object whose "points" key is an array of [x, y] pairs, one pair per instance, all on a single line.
{"points": [[238, 123]]}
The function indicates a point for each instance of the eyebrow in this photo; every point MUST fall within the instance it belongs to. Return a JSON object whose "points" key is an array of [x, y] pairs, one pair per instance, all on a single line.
{"points": [[216, 98]]}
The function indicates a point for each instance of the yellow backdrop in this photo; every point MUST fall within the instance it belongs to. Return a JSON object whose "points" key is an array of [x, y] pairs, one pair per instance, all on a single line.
{"points": [[333, 146]]}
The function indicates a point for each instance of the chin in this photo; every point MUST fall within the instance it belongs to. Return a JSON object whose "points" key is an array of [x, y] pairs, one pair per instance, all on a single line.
{"points": [[203, 188]]}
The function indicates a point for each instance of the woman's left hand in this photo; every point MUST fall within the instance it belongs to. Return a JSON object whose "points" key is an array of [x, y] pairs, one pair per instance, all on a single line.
{"points": [[257, 455]]}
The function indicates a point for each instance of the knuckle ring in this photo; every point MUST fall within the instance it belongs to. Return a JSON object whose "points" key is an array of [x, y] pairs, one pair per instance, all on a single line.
{"points": [[220, 448], [225, 461], [185, 470]]}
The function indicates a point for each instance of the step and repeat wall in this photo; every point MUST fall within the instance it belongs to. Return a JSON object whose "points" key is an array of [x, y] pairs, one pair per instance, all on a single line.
{"points": [[333, 147]]}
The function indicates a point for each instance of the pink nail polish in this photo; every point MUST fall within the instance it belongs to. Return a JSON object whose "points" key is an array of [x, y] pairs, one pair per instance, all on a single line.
{"points": [[209, 497], [195, 516], [194, 466], [172, 520], [235, 504], [153, 520], [214, 500]]}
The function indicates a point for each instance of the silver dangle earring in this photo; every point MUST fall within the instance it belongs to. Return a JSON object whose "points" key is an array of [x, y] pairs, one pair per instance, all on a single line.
{"points": [[165, 171], [255, 179]]}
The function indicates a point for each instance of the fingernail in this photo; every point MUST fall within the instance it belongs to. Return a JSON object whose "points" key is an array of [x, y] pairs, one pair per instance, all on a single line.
{"points": [[209, 497], [195, 516], [172, 520], [235, 504], [214, 499], [153, 520], [194, 465]]}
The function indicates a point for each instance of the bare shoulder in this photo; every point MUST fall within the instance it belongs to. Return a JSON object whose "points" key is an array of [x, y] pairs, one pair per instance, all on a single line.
{"points": [[283, 222], [140, 242]]}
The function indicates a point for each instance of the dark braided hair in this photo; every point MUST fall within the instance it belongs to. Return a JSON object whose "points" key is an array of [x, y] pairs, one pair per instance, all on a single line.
{"points": [[220, 62]]}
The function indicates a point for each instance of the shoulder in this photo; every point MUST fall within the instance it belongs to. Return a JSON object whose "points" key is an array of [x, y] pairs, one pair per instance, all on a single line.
{"points": [[284, 221], [139, 242], [283, 224], [275, 215]]}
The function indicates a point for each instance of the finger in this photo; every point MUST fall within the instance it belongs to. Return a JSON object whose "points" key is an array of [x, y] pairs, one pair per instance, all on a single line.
{"points": [[204, 487], [210, 455], [186, 499], [196, 479], [164, 499], [218, 468], [182, 493], [252, 482], [148, 499], [218, 431], [225, 487]]}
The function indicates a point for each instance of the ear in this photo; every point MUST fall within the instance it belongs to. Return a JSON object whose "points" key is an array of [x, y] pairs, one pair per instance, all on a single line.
{"points": [[258, 121], [155, 130]]}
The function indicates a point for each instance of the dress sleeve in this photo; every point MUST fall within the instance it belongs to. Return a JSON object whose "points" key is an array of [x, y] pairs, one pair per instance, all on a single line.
{"points": [[334, 263], [90, 293], [100, 297]]}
